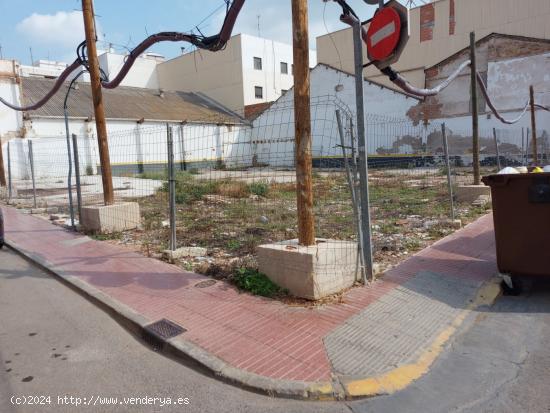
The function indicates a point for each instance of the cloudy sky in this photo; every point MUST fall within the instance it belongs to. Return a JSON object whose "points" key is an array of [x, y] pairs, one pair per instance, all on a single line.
{"points": [[53, 28]]}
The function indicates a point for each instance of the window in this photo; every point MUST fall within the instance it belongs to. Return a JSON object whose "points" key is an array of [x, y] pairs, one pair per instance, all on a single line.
{"points": [[259, 92], [284, 68], [258, 63]]}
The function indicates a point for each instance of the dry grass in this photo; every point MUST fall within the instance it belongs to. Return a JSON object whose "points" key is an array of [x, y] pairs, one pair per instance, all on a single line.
{"points": [[236, 189], [231, 220]]}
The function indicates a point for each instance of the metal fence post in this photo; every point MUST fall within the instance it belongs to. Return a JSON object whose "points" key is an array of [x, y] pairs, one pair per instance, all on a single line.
{"points": [[70, 174], [351, 183], [183, 164], [2, 170], [448, 165], [496, 147], [527, 147], [31, 160], [362, 148], [353, 152], [172, 187], [77, 176], [9, 174], [523, 145]]}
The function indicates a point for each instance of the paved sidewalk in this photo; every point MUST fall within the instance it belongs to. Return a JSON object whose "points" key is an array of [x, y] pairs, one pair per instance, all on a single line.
{"points": [[380, 339]]}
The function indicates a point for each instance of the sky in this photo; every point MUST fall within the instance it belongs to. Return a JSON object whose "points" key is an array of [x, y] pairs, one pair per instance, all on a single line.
{"points": [[54, 28]]}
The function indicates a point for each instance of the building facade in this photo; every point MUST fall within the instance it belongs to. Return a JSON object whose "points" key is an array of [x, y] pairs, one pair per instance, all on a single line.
{"points": [[143, 73], [440, 29], [331, 90], [250, 71]]}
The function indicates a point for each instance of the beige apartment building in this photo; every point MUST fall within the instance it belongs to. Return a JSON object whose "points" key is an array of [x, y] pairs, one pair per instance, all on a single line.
{"points": [[249, 73], [442, 28]]}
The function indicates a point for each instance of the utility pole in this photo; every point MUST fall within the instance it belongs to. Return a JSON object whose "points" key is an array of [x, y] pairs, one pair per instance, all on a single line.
{"points": [[97, 95], [475, 114], [302, 122], [533, 125]]}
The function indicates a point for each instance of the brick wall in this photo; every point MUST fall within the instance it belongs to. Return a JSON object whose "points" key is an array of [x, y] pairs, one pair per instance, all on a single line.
{"points": [[452, 17], [455, 101], [427, 22]]}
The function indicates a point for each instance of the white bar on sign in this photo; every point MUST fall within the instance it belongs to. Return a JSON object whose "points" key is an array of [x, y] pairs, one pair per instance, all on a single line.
{"points": [[381, 34]]}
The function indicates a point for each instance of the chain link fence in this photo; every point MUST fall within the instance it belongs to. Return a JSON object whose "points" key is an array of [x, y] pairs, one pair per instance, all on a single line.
{"points": [[220, 191]]}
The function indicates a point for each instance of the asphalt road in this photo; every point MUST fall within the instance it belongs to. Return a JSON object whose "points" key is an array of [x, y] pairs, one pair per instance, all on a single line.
{"points": [[55, 343]]}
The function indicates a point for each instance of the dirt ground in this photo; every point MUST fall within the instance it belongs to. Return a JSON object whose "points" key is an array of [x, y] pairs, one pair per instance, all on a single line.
{"points": [[410, 210]]}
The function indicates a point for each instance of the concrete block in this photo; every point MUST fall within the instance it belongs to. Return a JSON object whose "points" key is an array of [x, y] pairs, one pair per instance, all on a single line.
{"points": [[111, 218], [310, 272], [184, 252], [469, 193]]}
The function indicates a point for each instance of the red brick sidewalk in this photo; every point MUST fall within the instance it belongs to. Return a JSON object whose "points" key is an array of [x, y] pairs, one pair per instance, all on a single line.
{"points": [[257, 335]]}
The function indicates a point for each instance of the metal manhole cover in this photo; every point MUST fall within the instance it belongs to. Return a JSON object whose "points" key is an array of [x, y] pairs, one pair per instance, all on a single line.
{"points": [[165, 329], [206, 283]]}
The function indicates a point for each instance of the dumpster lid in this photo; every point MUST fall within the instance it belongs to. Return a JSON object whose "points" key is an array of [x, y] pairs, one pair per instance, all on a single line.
{"points": [[503, 180]]}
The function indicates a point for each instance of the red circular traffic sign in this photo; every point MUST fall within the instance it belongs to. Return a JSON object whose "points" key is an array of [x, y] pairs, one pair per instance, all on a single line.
{"points": [[384, 33]]}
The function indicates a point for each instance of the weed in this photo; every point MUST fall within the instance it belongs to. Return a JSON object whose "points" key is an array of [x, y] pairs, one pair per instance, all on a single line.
{"points": [[233, 189], [233, 244], [256, 283], [258, 188], [106, 237], [154, 175], [220, 165]]}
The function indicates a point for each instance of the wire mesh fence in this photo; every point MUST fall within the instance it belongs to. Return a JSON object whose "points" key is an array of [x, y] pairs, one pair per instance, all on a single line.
{"points": [[233, 187]]}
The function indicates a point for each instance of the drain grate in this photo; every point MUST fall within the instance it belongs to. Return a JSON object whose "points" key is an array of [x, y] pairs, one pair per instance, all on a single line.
{"points": [[165, 329], [206, 283]]}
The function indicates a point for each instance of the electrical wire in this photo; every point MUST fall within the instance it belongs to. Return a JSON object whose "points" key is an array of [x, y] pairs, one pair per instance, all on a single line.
{"points": [[404, 84], [483, 89]]}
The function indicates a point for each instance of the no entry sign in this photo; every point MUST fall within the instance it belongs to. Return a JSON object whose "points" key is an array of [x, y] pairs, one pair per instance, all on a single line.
{"points": [[387, 34]]}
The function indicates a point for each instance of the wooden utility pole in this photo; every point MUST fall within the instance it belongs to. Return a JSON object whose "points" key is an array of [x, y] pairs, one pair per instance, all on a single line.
{"points": [[533, 125], [475, 114], [2, 172], [97, 95], [302, 122]]}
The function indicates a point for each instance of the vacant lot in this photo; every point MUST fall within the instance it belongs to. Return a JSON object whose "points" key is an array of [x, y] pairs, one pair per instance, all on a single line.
{"points": [[231, 217]]}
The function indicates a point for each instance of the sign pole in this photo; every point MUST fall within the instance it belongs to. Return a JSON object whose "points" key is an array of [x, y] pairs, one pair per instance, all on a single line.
{"points": [[302, 123], [363, 159]]}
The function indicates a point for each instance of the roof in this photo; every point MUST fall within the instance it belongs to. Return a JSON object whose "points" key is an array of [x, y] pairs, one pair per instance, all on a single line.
{"points": [[127, 103], [251, 112], [485, 39]]}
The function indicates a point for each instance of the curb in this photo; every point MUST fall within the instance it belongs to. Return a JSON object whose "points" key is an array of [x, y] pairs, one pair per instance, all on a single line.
{"points": [[183, 349], [340, 388]]}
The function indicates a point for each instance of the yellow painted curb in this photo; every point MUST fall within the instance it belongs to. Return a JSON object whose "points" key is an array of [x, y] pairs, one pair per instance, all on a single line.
{"points": [[403, 376]]}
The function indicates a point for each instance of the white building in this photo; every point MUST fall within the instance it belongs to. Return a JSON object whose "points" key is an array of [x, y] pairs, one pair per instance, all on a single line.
{"points": [[143, 73], [247, 74], [331, 89], [204, 131], [43, 68]]}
